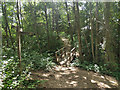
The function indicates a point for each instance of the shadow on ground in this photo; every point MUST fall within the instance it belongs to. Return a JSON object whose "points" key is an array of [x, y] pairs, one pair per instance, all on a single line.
{"points": [[73, 77]]}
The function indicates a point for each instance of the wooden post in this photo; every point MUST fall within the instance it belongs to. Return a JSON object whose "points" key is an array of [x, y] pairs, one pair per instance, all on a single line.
{"points": [[19, 32], [19, 48]]}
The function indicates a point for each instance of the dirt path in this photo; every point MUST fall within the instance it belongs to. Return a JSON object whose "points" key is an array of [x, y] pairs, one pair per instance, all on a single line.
{"points": [[73, 77]]}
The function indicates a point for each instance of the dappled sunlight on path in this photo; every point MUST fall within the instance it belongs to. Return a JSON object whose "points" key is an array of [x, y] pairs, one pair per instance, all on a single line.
{"points": [[73, 77]]}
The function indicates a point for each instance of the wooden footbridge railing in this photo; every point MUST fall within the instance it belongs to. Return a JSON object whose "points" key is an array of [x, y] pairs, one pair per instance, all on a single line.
{"points": [[64, 57]]}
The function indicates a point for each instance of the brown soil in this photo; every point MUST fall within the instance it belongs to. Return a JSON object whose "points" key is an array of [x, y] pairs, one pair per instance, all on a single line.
{"points": [[73, 77]]}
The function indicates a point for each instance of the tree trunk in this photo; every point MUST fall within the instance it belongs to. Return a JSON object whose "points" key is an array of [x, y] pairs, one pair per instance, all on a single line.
{"points": [[21, 17], [78, 30], [119, 33], [47, 25], [5, 27], [110, 55], [69, 24], [91, 24], [8, 28], [97, 30], [35, 27], [18, 13], [74, 31], [57, 19], [11, 37], [107, 27], [19, 48], [86, 41], [18, 38], [53, 17]]}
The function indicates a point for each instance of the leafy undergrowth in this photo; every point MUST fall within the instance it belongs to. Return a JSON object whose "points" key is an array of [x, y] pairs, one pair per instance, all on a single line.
{"points": [[39, 61], [101, 68], [10, 76], [32, 59]]}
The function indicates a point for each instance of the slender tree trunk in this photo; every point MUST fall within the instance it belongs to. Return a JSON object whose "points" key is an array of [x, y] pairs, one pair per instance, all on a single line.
{"points": [[74, 31], [57, 19], [110, 55], [119, 33], [70, 27], [18, 38], [107, 27], [11, 37], [5, 27], [47, 25], [53, 17], [18, 12], [21, 16], [35, 27], [0, 42], [86, 44], [78, 29], [19, 48], [97, 30], [8, 28], [50, 24], [91, 24]]}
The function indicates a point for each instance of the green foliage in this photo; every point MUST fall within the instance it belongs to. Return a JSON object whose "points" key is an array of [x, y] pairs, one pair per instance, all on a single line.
{"points": [[55, 42], [39, 61], [62, 34], [12, 78], [36, 54], [30, 61], [101, 68]]}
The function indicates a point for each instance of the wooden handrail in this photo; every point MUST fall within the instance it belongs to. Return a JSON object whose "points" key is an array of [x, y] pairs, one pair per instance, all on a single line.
{"points": [[61, 54], [73, 49]]}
